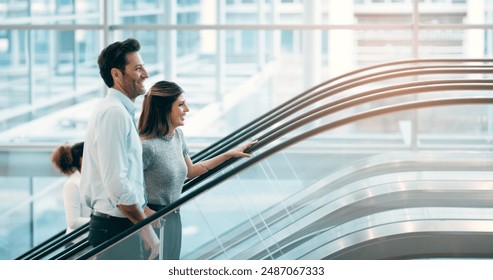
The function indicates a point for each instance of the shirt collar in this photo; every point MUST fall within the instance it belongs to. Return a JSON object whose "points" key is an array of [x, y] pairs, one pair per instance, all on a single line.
{"points": [[129, 105]]}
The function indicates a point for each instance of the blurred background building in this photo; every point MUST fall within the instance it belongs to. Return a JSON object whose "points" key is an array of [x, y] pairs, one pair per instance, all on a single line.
{"points": [[235, 59]]}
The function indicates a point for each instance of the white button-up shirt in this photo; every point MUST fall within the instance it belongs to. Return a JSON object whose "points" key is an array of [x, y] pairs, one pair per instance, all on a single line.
{"points": [[112, 171]]}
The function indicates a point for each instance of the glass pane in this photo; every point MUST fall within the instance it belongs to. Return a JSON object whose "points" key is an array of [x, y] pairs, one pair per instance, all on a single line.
{"points": [[462, 127], [444, 12], [14, 61], [53, 63], [376, 46], [32, 213], [51, 12], [456, 12], [488, 11], [48, 209], [261, 12], [50, 71], [15, 220], [471, 43], [380, 12]]}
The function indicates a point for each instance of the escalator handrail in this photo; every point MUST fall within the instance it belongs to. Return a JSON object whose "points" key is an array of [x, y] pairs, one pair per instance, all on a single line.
{"points": [[54, 239], [326, 109], [331, 108], [242, 166], [288, 103], [73, 250], [43, 252], [282, 114], [333, 90], [54, 243], [308, 94]]}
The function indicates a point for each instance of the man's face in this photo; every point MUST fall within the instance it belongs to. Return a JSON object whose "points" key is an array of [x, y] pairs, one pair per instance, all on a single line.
{"points": [[132, 81]]}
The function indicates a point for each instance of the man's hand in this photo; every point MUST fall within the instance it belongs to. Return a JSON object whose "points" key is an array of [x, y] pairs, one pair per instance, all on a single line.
{"points": [[148, 212], [136, 214], [151, 242]]}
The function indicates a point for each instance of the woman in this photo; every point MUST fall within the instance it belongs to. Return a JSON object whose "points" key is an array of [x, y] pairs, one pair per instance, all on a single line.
{"points": [[165, 156], [68, 160]]}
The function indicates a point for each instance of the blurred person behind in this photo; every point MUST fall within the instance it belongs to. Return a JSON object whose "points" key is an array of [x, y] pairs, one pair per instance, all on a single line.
{"points": [[68, 160]]}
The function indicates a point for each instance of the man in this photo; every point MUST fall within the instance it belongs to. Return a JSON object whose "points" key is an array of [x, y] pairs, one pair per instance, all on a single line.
{"points": [[112, 182]]}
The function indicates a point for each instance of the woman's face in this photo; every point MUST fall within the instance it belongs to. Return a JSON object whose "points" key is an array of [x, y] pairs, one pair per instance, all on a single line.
{"points": [[179, 109]]}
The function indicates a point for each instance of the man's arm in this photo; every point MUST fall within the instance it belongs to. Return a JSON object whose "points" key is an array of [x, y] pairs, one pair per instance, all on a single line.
{"points": [[132, 212], [112, 149]]}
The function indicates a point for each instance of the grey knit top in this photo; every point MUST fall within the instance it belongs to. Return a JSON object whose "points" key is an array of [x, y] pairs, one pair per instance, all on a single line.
{"points": [[165, 169]]}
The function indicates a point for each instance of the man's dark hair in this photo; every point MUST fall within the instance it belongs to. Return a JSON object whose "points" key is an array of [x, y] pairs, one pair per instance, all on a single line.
{"points": [[115, 56]]}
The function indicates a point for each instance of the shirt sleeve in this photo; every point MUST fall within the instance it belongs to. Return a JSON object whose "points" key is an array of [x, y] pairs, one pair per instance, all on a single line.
{"points": [[147, 154], [112, 137], [183, 143], [72, 204]]}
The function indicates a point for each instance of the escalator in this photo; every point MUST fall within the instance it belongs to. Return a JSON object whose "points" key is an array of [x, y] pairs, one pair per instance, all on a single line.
{"points": [[346, 199], [300, 133]]}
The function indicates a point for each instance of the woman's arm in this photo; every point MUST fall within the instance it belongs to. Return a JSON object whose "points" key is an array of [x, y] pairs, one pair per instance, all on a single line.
{"points": [[202, 167], [72, 205]]}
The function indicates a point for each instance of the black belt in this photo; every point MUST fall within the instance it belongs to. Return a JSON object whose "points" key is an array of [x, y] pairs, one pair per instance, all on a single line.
{"points": [[157, 207], [105, 216]]}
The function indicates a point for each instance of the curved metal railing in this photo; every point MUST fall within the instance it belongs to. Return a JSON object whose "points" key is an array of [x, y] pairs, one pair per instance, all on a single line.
{"points": [[313, 93]]}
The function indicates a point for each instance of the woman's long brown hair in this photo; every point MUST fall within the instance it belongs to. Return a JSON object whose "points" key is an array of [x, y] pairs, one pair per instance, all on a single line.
{"points": [[154, 118]]}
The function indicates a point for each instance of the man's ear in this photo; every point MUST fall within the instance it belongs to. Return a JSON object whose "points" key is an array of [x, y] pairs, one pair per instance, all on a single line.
{"points": [[116, 74]]}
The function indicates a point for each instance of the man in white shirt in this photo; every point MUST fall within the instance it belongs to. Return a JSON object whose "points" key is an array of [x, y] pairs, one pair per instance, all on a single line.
{"points": [[112, 182]]}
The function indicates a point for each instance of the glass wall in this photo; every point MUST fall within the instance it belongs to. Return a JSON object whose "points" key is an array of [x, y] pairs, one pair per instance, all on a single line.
{"points": [[235, 59]]}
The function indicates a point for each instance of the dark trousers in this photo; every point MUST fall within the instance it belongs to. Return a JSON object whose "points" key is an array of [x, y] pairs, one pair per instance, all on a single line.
{"points": [[102, 229], [172, 234]]}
